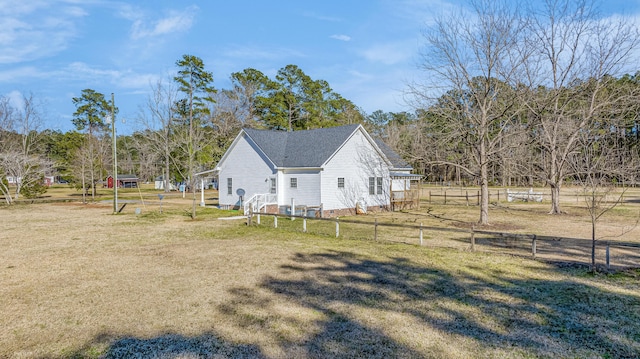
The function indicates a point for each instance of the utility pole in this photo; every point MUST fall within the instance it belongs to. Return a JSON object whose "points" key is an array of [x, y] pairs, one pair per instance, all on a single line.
{"points": [[115, 156]]}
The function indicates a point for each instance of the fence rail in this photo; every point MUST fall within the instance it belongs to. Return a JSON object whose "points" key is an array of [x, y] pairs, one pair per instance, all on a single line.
{"points": [[617, 254], [471, 196]]}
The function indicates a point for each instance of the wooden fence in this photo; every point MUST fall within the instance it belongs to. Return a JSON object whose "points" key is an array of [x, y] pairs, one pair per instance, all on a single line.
{"points": [[471, 196], [616, 254], [457, 196]]}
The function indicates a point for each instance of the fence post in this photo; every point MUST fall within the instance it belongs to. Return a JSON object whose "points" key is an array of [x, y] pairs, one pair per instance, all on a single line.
{"points": [[337, 227], [498, 196], [473, 238], [533, 246], [607, 255], [275, 221], [445, 196], [249, 218], [304, 224], [467, 196], [478, 198], [420, 233], [375, 230], [258, 218]]}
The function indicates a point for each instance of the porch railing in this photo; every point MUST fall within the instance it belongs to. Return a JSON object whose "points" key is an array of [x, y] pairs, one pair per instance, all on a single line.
{"points": [[258, 201]]}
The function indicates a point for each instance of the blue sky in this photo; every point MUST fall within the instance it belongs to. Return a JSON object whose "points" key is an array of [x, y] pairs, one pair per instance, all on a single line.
{"points": [[366, 49]]}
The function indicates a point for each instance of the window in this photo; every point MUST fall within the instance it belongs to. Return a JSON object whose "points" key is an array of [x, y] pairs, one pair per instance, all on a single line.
{"points": [[340, 182], [294, 182], [272, 187], [375, 185], [229, 186]]}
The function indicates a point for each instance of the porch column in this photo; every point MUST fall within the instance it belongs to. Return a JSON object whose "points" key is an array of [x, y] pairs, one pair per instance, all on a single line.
{"points": [[201, 192]]}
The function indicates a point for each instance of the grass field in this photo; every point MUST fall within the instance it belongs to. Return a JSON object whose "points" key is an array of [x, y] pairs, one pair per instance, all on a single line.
{"points": [[77, 281]]}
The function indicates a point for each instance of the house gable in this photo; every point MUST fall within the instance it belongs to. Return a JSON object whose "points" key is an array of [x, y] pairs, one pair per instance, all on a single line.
{"points": [[352, 165], [359, 130], [244, 166]]}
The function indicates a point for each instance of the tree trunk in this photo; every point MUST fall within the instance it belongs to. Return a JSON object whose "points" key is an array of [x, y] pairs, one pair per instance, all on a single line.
{"points": [[167, 182], [84, 185], [555, 199], [93, 184], [484, 201], [593, 245], [484, 185]]}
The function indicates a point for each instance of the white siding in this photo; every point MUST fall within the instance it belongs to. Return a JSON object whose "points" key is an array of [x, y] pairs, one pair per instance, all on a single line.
{"points": [[400, 185], [247, 168], [355, 161], [308, 190]]}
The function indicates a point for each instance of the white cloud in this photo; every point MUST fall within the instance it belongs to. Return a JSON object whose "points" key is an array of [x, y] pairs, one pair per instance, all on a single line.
{"points": [[341, 37], [254, 52], [12, 7], [76, 11], [122, 78], [390, 53], [80, 69], [175, 22], [20, 73], [37, 30], [128, 12], [16, 99]]}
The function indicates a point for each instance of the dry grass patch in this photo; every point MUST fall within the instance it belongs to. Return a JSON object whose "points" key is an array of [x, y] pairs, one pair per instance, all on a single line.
{"points": [[76, 281]]}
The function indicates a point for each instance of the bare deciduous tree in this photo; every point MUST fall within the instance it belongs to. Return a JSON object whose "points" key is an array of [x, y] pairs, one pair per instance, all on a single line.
{"points": [[476, 59], [157, 119], [18, 156], [576, 53], [600, 168]]}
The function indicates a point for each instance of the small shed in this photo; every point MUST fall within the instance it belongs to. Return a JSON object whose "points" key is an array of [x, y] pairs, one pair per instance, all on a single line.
{"points": [[159, 184], [124, 181], [49, 180]]}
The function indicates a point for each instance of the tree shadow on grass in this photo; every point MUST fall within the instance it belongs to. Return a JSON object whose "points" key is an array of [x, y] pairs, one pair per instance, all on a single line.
{"points": [[335, 305], [563, 251], [539, 317], [169, 346]]}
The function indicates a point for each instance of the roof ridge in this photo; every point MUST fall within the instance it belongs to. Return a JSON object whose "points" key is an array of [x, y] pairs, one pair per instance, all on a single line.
{"points": [[303, 148]]}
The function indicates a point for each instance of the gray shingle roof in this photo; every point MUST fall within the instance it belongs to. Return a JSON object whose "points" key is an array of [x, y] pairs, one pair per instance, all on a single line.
{"points": [[310, 148], [396, 160]]}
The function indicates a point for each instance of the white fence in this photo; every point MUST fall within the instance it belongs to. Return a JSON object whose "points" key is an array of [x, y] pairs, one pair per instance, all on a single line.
{"points": [[528, 196]]}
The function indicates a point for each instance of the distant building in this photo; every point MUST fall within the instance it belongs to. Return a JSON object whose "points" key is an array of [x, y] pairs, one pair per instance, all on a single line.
{"points": [[124, 181], [159, 184]]}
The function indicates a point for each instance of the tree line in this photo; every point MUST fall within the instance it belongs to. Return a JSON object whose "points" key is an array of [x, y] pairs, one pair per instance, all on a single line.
{"points": [[527, 93], [514, 93], [187, 125]]}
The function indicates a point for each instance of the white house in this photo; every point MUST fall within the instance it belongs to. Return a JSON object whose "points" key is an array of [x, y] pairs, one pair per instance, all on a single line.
{"points": [[331, 171]]}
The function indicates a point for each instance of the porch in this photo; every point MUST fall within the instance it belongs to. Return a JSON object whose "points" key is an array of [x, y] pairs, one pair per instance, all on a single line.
{"points": [[405, 191]]}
